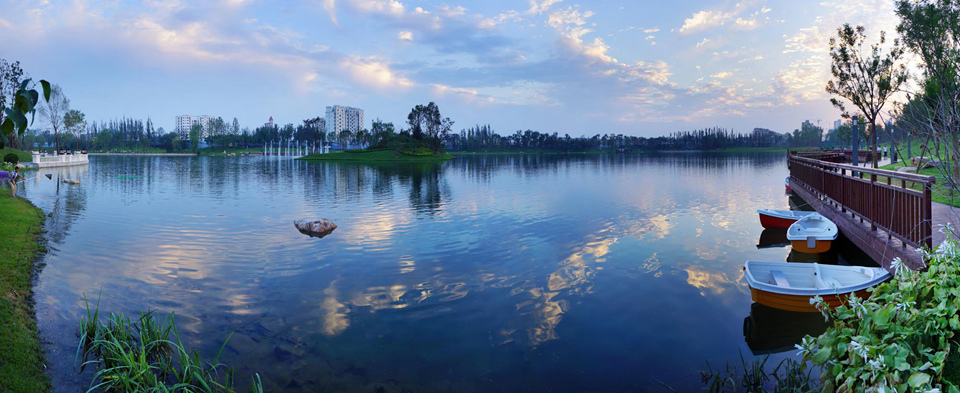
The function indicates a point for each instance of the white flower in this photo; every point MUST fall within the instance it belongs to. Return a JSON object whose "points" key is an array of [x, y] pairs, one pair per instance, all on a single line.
{"points": [[857, 306], [876, 364], [903, 306], [859, 349], [896, 264]]}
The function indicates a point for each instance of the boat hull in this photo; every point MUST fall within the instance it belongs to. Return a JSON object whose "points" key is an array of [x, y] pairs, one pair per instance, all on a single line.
{"points": [[800, 303], [821, 246], [776, 222]]}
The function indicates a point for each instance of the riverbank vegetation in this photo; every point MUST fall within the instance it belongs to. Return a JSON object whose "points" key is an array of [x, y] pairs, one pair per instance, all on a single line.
{"points": [[21, 359], [147, 355], [900, 338]]}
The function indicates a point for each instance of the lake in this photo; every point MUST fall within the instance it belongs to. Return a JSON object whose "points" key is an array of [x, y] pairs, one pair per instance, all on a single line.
{"points": [[482, 274]]}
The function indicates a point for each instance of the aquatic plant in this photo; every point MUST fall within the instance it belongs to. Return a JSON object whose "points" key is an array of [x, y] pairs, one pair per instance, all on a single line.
{"points": [[140, 356], [788, 376], [899, 339]]}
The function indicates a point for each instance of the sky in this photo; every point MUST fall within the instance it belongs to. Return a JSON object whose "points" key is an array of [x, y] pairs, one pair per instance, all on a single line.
{"points": [[644, 68]]}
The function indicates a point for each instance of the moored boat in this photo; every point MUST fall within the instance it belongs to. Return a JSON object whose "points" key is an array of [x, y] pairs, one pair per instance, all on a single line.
{"points": [[790, 286], [770, 218], [813, 233], [786, 182]]}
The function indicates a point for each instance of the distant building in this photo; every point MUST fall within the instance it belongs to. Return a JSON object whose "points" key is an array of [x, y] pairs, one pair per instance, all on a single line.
{"points": [[339, 118], [269, 124], [837, 123], [186, 122]]}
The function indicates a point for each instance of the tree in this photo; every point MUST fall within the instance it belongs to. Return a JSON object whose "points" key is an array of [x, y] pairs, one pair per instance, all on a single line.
{"points": [[10, 75], [73, 122], [196, 132], [931, 30], [55, 111], [865, 79], [415, 120]]}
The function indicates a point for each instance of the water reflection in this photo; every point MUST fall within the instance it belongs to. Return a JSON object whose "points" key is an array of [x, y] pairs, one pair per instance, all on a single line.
{"points": [[488, 273], [769, 330]]}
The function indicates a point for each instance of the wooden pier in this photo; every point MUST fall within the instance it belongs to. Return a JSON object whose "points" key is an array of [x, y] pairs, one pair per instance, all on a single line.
{"points": [[880, 211]]}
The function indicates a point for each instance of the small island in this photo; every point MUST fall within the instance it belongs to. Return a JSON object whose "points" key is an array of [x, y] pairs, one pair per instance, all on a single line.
{"points": [[422, 142]]}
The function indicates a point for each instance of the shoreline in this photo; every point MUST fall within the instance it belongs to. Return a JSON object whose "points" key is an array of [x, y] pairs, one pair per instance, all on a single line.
{"points": [[22, 358], [145, 154]]}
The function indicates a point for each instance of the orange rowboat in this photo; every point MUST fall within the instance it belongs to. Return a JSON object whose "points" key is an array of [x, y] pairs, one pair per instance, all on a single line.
{"points": [[790, 286], [812, 234]]}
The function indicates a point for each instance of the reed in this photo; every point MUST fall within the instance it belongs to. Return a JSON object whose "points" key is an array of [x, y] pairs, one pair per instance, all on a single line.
{"points": [[147, 355]]}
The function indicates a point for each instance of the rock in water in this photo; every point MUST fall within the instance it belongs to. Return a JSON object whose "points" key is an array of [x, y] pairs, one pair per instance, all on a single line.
{"points": [[319, 227]]}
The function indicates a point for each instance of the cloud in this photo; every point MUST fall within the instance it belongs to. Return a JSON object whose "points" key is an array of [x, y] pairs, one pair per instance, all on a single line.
{"points": [[541, 6], [570, 24], [330, 6], [405, 36], [449, 11], [373, 73], [703, 20], [384, 7]]}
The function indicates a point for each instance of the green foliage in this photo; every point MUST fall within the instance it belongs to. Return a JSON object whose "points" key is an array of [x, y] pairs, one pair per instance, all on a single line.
{"points": [[141, 355], [196, 132], [11, 158], [25, 102], [21, 359], [420, 151], [864, 77], [899, 338]]}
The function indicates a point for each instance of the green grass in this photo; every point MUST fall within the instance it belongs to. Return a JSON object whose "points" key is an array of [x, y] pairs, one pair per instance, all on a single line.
{"points": [[21, 359], [147, 355], [940, 193], [132, 150], [376, 155], [25, 156]]}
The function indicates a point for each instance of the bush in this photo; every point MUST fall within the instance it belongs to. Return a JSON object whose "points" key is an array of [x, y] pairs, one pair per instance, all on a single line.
{"points": [[11, 158], [420, 151], [899, 338]]}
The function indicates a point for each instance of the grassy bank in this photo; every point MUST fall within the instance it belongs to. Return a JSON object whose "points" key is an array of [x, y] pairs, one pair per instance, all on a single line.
{"points": [[21, 359], [378, 155], [25, 156], [940, 192], [530, 151]]}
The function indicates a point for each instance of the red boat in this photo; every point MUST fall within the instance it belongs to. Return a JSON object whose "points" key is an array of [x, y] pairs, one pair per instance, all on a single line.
{"points": [[786, 183], [780, 218]]}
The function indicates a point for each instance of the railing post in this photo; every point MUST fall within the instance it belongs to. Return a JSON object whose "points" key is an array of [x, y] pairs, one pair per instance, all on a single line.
{"points": [[926, 221], [873, 202]]}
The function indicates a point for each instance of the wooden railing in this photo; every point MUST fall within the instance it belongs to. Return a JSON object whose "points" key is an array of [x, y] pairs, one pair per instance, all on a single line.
{"points": [[891, 204], [822, 155]]}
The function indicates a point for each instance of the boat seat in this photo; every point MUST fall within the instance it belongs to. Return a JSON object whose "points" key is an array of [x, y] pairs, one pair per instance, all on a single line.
{"points": [[779, 278]]}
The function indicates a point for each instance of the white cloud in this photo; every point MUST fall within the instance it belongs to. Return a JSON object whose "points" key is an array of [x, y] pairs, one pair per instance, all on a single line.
{"points": [[490, 23], [703, 20], [384, 7], [570, 24], [448, 11], [331, 7], [405, 36], [373, 73], [541, 6], [722, 75]]}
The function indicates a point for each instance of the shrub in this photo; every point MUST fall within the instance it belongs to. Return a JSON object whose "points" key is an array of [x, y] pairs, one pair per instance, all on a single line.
{"points": [[12, 158], [420, 151], [899, 338]]}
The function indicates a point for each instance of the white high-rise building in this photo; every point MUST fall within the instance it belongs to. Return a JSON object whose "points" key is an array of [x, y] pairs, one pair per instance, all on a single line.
{"points": [[339, 118], [185, 122]]}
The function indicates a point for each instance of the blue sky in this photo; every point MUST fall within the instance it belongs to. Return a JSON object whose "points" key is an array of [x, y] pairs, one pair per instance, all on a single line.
{"points": [[642, 68]]}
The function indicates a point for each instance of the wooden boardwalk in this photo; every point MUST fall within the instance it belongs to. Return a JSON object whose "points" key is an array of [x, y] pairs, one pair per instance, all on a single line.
{"points": [[878, 210]]}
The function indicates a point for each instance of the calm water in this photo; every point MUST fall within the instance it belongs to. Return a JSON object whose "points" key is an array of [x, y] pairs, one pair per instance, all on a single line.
{"points": [[492, 274]]}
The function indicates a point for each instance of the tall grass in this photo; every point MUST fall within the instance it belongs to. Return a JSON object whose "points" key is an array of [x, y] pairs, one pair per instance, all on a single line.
{"points": [[754, 377], [147, 355]]}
